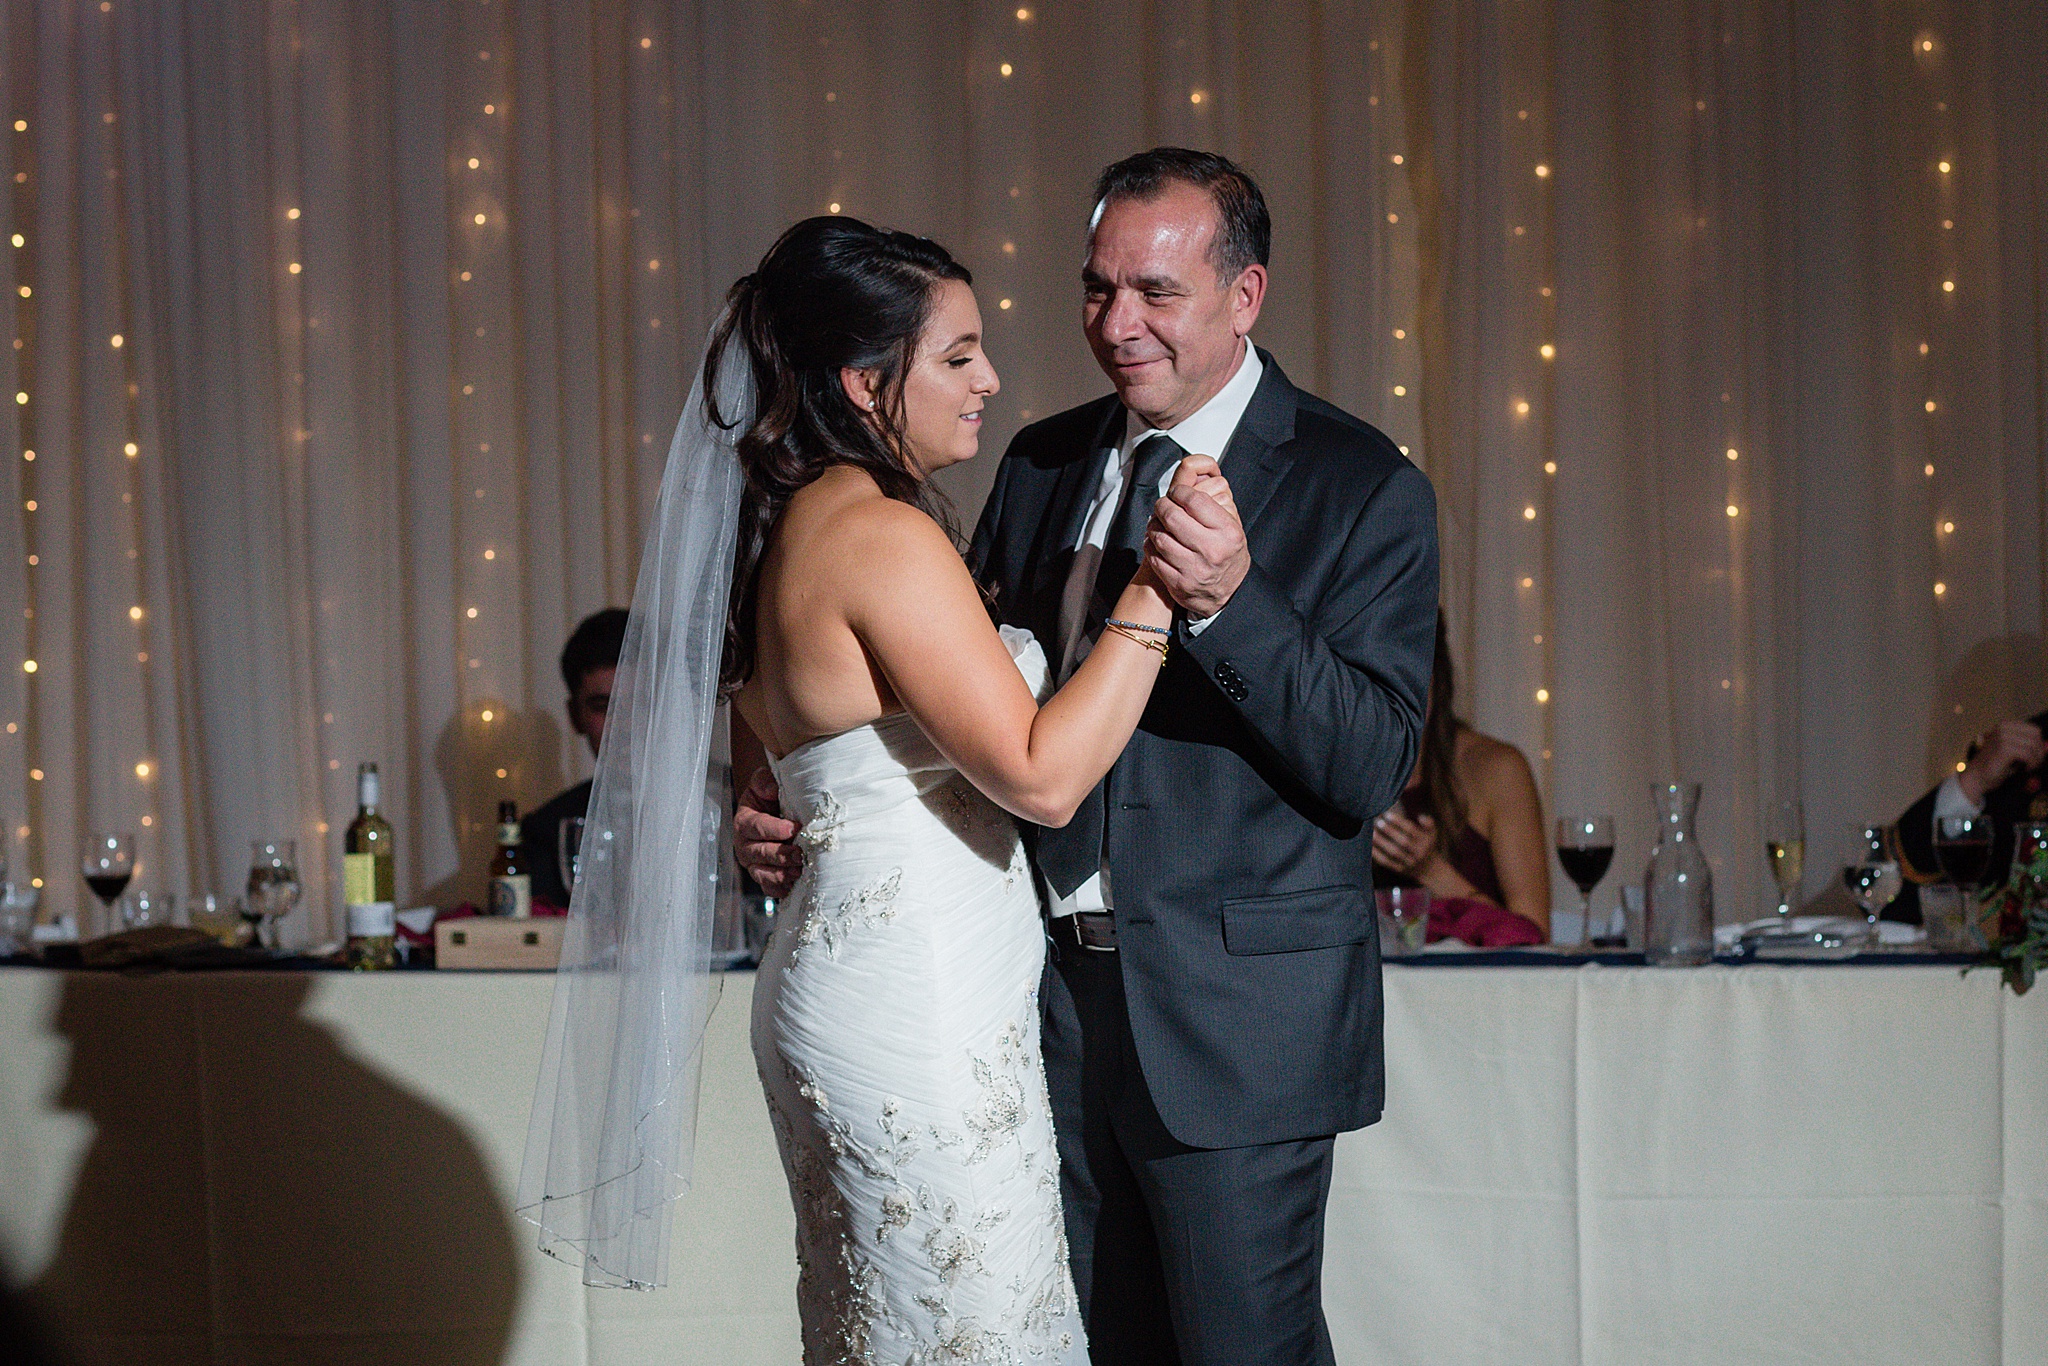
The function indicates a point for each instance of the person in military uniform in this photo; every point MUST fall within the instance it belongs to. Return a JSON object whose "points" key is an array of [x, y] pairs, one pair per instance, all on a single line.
{"points": [[2002, 776], [589, 661]]}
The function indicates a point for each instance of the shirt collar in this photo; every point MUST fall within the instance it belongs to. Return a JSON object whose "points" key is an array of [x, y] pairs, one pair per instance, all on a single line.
{"points": [[1207, 430]]}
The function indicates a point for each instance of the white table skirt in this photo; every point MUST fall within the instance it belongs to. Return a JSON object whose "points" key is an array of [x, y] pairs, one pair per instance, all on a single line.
{"points": [[1603, 1165]]}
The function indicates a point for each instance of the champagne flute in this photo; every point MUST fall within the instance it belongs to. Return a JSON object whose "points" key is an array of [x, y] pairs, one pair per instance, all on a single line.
{"points": [[1785, 847], [1585, 848], [273, 886], [108, 862]]}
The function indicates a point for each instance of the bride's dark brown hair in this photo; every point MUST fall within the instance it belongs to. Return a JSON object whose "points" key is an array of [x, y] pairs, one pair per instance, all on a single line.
{"points": [[833, 293]]}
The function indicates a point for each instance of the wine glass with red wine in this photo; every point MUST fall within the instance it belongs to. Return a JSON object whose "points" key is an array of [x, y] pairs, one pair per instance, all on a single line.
{"points": [[1962, 846], [108, 862], [1585, 847]]}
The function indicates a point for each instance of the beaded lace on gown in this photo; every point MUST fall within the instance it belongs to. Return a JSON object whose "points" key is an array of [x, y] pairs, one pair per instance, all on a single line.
{"points": [[896, 1031]]}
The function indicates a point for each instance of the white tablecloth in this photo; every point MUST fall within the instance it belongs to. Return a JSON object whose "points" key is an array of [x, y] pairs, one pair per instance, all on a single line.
{"points": [[1602, 1165]]}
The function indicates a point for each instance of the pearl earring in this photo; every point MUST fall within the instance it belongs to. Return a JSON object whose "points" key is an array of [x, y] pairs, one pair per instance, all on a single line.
{"points": [[871, 405]]}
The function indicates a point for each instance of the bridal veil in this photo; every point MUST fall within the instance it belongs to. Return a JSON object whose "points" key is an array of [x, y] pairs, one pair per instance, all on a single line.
{"points": [[609, 1143]]}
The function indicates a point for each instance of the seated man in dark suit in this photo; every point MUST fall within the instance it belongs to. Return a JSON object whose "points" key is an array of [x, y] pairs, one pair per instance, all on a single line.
{"points": [[589, 661], [2003, 776]]}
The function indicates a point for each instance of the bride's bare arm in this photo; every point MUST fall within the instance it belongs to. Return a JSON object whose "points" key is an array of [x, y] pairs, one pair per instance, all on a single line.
{"points": [[910, 600]]}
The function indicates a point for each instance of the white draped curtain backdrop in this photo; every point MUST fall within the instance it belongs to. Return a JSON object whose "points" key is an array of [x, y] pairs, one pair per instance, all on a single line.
{"points": [[347, 339]]}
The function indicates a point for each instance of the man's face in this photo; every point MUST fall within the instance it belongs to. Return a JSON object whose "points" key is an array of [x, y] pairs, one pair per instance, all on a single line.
{"points": [[588, 705], [1163, 327]]}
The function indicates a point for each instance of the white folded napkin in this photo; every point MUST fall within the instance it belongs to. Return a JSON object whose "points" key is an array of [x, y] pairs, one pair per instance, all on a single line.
{"points": [[1889, 932]]}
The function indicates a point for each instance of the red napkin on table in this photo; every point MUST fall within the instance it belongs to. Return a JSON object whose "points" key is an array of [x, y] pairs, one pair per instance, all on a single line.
{"points": [[1481, 924]]}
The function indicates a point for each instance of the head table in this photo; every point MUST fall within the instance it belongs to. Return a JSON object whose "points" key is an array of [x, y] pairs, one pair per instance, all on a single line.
{"points": [[1602, 1164]]}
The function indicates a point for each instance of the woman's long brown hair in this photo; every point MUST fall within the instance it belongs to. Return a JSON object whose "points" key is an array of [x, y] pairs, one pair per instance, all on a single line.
{"points": [[1440, 749], [833, 293]]}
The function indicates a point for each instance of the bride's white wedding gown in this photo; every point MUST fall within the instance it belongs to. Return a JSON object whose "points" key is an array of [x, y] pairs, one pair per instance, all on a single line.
{"points": [[896, 1030]]}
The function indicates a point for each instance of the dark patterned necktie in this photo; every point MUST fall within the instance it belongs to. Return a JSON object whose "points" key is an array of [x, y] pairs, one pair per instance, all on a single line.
{"points": [[1071, 854], [1126, 544]]}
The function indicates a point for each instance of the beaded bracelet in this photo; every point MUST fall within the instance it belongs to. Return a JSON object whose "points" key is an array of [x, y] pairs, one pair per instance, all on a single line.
{"points": [[1139, 626]]}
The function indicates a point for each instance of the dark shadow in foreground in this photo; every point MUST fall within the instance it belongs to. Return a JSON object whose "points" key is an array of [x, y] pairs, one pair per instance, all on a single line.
{"points": [[255, 1195]]}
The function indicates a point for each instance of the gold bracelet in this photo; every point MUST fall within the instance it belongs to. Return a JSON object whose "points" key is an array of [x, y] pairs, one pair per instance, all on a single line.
{"points": [[1157, 646]]}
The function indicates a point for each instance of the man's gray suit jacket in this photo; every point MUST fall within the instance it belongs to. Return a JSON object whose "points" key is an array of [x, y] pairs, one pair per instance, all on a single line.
{"points": [[1238, 821]]}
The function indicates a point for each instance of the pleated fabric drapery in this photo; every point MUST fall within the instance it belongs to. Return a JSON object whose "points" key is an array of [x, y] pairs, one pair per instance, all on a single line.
{"points": [[406, 296], [1734, 326]]}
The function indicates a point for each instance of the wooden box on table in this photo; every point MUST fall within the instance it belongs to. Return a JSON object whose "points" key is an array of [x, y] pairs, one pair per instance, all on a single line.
{"points": [[486, 941]]}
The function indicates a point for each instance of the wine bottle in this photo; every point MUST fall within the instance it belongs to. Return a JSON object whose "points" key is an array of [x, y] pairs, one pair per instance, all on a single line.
{"points": [[369, 879], [511, 880], [372, 936], [369, 867]]}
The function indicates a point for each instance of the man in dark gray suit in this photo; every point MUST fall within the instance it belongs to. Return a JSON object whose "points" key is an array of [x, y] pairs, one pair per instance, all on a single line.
{"points": [[1212, 1003]]}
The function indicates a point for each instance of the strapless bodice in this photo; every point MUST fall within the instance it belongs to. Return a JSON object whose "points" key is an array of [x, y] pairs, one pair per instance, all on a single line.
{"points": [[872, 769]]}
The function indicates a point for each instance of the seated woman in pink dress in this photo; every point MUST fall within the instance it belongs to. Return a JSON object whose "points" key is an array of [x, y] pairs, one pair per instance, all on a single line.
{"points": [[1469, 827]]}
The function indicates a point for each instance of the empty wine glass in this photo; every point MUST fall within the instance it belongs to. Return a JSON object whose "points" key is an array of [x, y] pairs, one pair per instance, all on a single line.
{"points": [[1585, 848], [1404, 918], [1873, 879], [17, 919], [1785, 849], [569, 849], [108, 862], [273, 886], [142, 909]]}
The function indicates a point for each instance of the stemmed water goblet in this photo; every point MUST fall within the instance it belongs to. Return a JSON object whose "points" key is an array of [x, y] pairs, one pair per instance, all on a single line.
{"points": [[1873, 879], [273, 887]]}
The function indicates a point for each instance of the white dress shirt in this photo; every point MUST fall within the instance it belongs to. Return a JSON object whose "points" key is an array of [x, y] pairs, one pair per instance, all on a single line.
{"points": [[1206, 431], [1952, 801]]}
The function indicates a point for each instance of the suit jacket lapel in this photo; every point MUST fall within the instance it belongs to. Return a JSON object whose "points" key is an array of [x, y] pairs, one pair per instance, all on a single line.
{"points": [[1259, 453]]}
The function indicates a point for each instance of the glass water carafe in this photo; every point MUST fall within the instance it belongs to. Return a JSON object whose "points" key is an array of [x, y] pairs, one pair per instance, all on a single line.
{"points": [[1678, 887]]}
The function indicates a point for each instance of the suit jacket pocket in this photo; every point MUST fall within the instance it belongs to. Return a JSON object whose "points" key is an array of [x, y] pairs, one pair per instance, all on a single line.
{"points": [[1324, 918]]}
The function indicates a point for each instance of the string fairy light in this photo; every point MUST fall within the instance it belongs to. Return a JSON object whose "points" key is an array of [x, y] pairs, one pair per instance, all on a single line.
{"points": [[1929, 51], [24, 261], [131, 474]]}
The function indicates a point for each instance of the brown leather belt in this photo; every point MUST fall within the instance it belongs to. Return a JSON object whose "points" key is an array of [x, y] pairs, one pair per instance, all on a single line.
{"points": [[1086, 930]]}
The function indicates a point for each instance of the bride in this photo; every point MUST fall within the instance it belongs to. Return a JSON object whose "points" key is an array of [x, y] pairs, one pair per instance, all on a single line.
{"points": [[895, 1016]]}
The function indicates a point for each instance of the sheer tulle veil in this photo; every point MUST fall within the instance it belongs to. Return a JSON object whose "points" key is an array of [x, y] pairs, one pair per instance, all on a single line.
{"points": [[614, 1114]]}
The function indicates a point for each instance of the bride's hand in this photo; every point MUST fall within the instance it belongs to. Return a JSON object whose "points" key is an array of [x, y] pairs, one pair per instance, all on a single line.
{"points": [[1202, 474]]}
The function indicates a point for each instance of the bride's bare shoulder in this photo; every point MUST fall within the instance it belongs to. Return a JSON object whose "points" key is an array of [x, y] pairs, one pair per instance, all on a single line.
{"points": [[846, 522]]}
